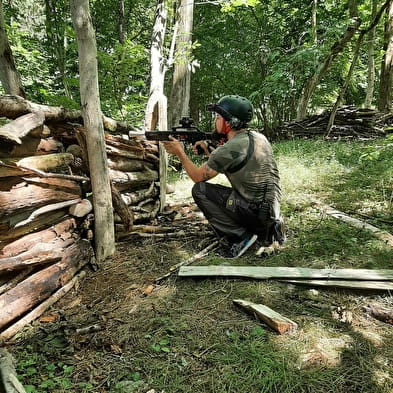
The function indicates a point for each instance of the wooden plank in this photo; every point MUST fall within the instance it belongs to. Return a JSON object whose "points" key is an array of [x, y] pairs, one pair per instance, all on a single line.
{"points": [[272, 318], [376, 285], [264, 273]]}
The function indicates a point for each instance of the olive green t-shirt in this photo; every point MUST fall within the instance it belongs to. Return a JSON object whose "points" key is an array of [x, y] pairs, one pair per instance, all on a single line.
{"points": [[259, 179]]}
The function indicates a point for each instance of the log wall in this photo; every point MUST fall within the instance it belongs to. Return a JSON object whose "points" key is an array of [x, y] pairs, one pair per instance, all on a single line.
{"points": [[46, 217]]}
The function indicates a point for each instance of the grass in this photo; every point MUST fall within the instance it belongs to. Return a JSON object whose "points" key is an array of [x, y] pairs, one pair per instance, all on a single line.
{"points": [[188, 337]]}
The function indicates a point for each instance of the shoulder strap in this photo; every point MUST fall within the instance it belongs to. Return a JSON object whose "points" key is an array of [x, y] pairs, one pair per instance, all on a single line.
{"points": [[250, 151]]}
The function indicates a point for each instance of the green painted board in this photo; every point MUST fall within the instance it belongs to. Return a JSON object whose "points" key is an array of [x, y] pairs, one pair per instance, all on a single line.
{"points": [[264, 273]]}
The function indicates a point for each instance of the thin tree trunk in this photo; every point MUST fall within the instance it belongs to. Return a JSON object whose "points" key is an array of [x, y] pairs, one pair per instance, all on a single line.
{"points": [[371, 62], [180, 92], [156, 108], [373, 23], [92, 116], [9, 76], [314, 37], [122, 36], [324, 66], [386, 77]]}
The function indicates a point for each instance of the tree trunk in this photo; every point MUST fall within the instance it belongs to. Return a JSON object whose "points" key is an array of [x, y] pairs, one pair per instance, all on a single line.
{"points": [[386, 76], [92, 116], [314, 36], [371, 62], [179, 100], [322, 69], [122, 36], [156, 108], [340, 97], [9, 76]]}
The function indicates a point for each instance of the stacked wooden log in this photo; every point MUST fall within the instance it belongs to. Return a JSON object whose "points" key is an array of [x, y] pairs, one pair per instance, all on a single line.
{"points": [[350, 123], [45, 201]]}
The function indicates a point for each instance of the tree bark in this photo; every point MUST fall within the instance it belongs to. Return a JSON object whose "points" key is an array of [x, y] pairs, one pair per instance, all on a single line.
{"points": [[42, 284], [40, 254], [386, 75], [57, 234], [32, 193], [30, 124], [92, 116], [39, 310], [179, 100], [9, 76], [371, 62], [43, 163]]}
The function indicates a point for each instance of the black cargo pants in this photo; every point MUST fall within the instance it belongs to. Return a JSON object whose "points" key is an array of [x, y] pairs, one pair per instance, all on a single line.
{"points": [[229, 214]]}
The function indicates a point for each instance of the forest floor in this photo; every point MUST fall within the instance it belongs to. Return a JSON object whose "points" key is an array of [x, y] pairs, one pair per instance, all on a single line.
{"points": [[186, 335]]}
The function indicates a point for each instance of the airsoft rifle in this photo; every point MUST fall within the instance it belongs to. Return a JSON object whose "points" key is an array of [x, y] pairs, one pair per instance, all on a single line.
{"points": [[185, 132]]}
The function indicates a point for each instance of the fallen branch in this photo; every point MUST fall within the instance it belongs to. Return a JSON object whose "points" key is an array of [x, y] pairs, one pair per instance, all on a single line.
{"points": [[38, 311], [376, 232], [9, 382], [194, 258]]}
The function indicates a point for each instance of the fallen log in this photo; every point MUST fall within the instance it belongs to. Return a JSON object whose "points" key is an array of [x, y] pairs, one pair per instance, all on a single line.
{"points": [[27, 129], [39, 310], [272, 318], [16, 130], [39, 254], [264, 273], [39, 223], [45, 163], [55, 235], [15, 106], [42, 284], [81, 209], [128, 165], [32, 193], [124, 180], [376, 232], [15, 280]]}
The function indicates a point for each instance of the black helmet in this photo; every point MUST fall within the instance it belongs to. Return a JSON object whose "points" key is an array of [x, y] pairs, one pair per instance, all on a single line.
{"points": [[235, 109]]}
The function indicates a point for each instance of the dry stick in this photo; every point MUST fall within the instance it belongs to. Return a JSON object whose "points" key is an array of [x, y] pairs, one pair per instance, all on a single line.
{"points": [[197, 256], [376, 232], [46, 174], [38, 311], [9, 382]]}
